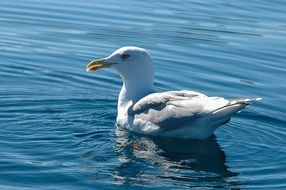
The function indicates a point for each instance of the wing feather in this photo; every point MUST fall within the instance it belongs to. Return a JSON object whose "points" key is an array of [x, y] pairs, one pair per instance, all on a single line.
{"points": [[173, 109], [161, 113]]}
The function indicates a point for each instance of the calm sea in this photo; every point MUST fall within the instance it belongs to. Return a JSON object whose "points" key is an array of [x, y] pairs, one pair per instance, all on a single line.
{"points": [[57, 126]]}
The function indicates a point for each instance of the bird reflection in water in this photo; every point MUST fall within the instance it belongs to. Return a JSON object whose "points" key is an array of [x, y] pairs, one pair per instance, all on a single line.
{"points": [[161, 161]]}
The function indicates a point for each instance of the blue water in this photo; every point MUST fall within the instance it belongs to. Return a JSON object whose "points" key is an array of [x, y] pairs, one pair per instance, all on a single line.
{"points": [[57, 126]]}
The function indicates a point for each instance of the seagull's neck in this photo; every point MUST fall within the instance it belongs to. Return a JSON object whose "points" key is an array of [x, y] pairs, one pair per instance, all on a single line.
{"points": [[133, 89]]}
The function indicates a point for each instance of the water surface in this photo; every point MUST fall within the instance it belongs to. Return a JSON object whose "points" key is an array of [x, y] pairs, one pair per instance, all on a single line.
{"points": [[57, 121]]}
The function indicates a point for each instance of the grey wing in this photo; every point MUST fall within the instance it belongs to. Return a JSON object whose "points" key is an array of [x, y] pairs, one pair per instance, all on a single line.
{"points": [[168, 109], [174, 109], [160, 99]]}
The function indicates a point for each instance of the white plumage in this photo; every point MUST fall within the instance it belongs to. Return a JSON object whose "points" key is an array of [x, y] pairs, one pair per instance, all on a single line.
{"points": [[179, 114]]}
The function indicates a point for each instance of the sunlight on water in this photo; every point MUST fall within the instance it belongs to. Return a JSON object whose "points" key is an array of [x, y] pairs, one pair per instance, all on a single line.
{"points": [[57, 121]]}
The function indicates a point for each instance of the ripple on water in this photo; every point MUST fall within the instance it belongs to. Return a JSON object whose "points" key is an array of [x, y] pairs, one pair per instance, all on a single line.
{"points": [[265, 141], [57, 121]]}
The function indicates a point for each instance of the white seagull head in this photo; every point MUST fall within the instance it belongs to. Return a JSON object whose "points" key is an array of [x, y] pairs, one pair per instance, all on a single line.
{"points": [[130, 62]]}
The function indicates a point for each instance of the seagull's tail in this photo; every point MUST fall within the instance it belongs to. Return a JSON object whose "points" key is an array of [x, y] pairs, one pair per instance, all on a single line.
{"points": [[243, 101], [235, 105]]}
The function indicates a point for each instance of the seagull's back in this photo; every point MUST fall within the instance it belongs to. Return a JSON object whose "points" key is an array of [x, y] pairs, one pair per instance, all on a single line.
{"points": [[182, 114]]}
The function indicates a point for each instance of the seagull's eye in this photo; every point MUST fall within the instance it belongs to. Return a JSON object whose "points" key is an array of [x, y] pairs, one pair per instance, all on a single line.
{"points": [[125, 56]]}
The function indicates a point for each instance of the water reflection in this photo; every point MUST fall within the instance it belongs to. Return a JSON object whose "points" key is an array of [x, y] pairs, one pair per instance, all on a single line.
{"points": [[190, 162]]}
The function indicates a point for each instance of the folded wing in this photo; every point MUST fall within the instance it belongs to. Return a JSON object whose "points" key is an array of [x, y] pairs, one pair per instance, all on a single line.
{"points": [[174, 109]]}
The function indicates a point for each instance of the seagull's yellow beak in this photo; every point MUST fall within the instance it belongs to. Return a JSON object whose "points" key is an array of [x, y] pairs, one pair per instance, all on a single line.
{"points": [[97, 64]]}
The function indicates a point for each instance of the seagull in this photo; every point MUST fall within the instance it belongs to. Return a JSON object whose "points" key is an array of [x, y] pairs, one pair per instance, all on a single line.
{"points": [[177, 114]]}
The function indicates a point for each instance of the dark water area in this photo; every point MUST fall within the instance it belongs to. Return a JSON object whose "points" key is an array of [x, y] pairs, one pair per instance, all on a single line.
{"points": [[57, 127]]}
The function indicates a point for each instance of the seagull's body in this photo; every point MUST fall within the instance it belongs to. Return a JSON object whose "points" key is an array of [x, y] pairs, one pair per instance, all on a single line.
{"points": [[179, 114]]}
